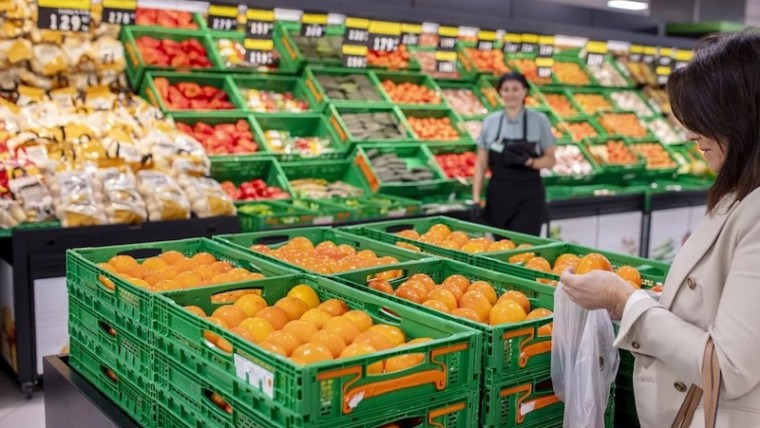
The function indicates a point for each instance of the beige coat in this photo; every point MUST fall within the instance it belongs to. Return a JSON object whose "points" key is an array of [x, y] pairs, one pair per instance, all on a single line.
{"points": [[713, 290]]}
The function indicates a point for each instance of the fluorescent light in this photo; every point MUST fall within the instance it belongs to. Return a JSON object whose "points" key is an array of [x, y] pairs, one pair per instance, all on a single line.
{"points": [[628, 4]]}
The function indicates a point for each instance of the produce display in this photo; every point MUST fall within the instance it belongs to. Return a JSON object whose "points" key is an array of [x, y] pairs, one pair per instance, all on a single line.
{"points": [[613, 153], [625, 124], [261, 101], [561, 104], [351, 87], [378, 125], [582, 265], [282, 141], [429, 66], [570, 161], [397, 60], [328, 47], [191, 96], [171, 53], [232, 53], [528, 68], [473, 127], [490, 62], [432, 128], [442, 236], [592, 103], [570, 73], [579, 130], [655, 155], [410, 93], [630, 100], [165, 18], [608, 75], [641, 73], [665, 132], [458, 165], [391, 168], [223, 138], [464, 102], [660, 97], [253, 190], [322, 189]]}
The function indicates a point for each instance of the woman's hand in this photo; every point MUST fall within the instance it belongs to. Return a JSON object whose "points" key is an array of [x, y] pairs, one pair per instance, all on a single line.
{"points": [[598, 290]]}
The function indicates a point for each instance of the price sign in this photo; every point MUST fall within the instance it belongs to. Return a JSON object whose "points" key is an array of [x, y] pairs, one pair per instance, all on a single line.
{"points": [[410, 34], [595, 53], [384, 36], [64, 15], [512, 43], [544, 67], [259, 51], [222, 17], [354, 56], [637, 52], [486, 40], [259, 24], [313, 25], [119, 12], [446, 61], [529, 43], [357, 31], [447, 38], [663, 65], [649, 55], [545, 46], [682, 59]]}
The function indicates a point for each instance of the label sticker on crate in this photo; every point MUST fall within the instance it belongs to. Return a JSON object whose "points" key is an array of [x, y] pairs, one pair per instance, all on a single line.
{"points": [[259, 51], [313, 25], [446, 62], [259, 23], [354, 56], [357, 31], [255, 375], [222, 17], [486, 40], [64, 15], [410, 34], [119, 12], [595, 53], [447, 38], [529, 43], [512, 43], [384, 36]]}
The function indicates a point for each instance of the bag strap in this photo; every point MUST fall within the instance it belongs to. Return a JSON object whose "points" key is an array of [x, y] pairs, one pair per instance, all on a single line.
{"points": [[710, 389]]}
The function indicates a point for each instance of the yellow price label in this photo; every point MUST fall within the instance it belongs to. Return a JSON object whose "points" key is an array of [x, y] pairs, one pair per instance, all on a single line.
{"points": [[385, 28], [544, 62], [597, 47], [637, 49], [259, 44], [359, 23], [260, 15], [314, 18], [445, 56], [513, 38], [683, 55], [448, 31], [546, 40], [354, 50], [650, 50], [666, 52], [662, 71], [411, 28], [120, 4], [65, 4], [221, 10], [487, 35], [530, 38]]}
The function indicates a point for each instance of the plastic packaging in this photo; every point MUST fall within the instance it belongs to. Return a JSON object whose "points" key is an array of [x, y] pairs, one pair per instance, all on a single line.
{"points": [[77, 198], [163, 197], [11, 214], [584, 361], [122, 201], [33, 197], [207, 197]]}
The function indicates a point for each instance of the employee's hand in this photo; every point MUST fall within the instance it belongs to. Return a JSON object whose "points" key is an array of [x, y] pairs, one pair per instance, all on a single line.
{"points": [[598, 290]]}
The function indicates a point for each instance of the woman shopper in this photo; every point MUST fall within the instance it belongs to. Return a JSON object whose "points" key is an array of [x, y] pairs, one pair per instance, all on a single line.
{"points": [[708, 316], [515, 144]]}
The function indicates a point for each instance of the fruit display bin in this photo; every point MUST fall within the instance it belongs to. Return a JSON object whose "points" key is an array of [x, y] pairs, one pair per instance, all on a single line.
{"points": [[296, 86], [481, 90], [378, 207], [340, 119], [577, 137], [425, 57], [615, 173], [286, 63], [240, 169], [623, 133], [219, 81], [609, 61], [652, 272], [263, 215], [462, 184], [301, 125], [326, 50], [399, 77], [657, 173], [385, 231], [454, 119], [382, 98], [510, 351], [494, 66], [551, 178], [329, 212], [136, 67], [562, 93], [577, 94], [414, 156], [345, 171], [126, 307], [325, 394], [190, 118], [276, 238]]}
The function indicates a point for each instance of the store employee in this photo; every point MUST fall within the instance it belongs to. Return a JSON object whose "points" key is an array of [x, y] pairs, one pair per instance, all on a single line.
{"points": [[515, 144]]}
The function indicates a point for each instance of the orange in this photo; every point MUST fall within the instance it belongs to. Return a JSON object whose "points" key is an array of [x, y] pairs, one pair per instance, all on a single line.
{"points": [[301, 243], [211, 336], [271, 347], [366, 255], [169, 272], [316, 316], [276, 316], [345, 250], [507, 312], [545, 330], [259, 328], [251, 304], [418, 341], [630, 274], [334, 307], [196, 310], [410, 293], [452, 245], [167, 285], [184, 265], [409, 234], [374, 339], [245, 334], [223, 344], [408, 246], [394, 334], [292, 306], [137, 282], [188, 279], [478, 302], [403, 362], [521, 258], [203, 259], [453, 289], [238, 274], [421, 288], [172, 257], [538, 263], [343, 327], [123, 264], [446, 297], [231, 315], [221, 266], [287, 341], [436, 305], [459, 281], [310, 353], [518, 297], [305, 294], [357, 349], [389, 274], [486, 289], [593, 261], [567, 259], [301, 329], [440, 230], [474, 248], [458, 237], [205, 272], [560, 267], [486, 242], [331, 340], [381, 285], [502, 245], [467, 313], [154, 263], [361, 320]]}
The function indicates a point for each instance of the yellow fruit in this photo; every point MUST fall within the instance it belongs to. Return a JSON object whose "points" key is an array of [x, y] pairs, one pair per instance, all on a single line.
{"points": [[357, 349], [293, 307], [343, 327], [287, 341], [231, 315], [478, 302], [301, 329], [316, 316], [361, 320], [259, 328], [331, 340], [518, 297], [486, 289], [305, 294], [394, 334], [276, 316], [310, 353], [251, 304], [507, 312]]}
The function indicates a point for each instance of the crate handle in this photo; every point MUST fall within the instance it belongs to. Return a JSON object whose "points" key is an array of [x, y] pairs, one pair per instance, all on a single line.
{"points": [[399, 228], [109, 374], [389, 316], [141, 253], [523, 392], [443, 411], [210, 398], [272, 240], [107, 328], [528, 351]]}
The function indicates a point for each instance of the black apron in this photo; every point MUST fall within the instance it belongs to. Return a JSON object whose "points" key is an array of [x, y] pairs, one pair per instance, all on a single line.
{"points": [[516, 199]]}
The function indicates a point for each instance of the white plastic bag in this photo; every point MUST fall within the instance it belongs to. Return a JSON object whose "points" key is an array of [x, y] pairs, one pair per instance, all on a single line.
{"points": [[584, 361]]}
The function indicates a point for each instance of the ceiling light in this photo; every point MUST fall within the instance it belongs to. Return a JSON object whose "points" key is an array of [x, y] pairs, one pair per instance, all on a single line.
{"points": [[628, 4]]}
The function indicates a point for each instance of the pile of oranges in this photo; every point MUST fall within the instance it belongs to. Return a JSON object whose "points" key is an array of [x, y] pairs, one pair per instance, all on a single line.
{"points": [[581, 265], [307, 330], [441, 235], [172, 270], [326, 257], [458, 296]]}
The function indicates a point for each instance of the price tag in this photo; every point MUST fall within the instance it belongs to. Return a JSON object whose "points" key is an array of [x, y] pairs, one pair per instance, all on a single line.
{"points": [[259, 51], [486, 40], [682, 59], [663, 65], [259, 24], [447, 38], [446, 61], [222, 17], [357, 31], [595, 53], [545, 46], [119, 12], [410, 34], [649, 55], [64, 15], [529, 43], [544, 67], [384, 36], [355, 56], [512, 43], [313, 25], [637, 53]]}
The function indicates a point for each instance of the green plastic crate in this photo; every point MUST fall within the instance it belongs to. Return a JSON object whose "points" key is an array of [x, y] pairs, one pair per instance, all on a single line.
{"points": [[322, 73], [240, 169], [577, 93], [136, 66], [340, 117], [386, 232], [328, 48], [512, 351], [562, 60], [664, 173], [565, 93], [302, 125], [393, 206], [150, 93], [294, 85], [331, 393], [468, 47], [329, 212], [564, 126], [614, 173], [266, 215], [648, 107], [465, 72], [456, 123], [486, 95], [647, 136], [285, 62], [277, 238], [329, 171], [652, 272], [216, 118], [407, 77], [622, 72], [551, 178], [415, 156]]}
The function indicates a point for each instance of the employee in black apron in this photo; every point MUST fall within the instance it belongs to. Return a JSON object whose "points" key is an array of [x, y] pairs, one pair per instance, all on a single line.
{"points": [[515, 144]]}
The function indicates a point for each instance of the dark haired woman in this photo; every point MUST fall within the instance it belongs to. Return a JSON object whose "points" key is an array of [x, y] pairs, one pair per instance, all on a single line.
{"points": [[708, 317], [515, 144]]}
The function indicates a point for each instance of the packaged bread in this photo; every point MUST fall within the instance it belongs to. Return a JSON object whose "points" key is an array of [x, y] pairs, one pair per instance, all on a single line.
{"points": [[164, 198], [11, 213], [48, 59], [34, 198], [77, 198], [207, 197], [123, 202]]}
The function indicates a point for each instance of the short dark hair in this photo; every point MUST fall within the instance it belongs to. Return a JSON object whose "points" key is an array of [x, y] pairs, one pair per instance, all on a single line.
{"points": [[516, 76], [718, 95]]}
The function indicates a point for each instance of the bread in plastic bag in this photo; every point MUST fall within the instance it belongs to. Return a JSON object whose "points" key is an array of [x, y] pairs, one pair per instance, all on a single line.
{"points": [[11, 213], [164, 198], [77, 198], [33, 197], [207, 197], [123, 202], [584, 362]]}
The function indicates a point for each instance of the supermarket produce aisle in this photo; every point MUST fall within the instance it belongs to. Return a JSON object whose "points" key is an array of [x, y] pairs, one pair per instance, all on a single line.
{"points": [[16, 410]]}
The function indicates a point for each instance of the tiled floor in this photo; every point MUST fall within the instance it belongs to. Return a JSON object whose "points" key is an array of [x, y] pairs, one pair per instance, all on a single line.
{"points": [[15, 410]]}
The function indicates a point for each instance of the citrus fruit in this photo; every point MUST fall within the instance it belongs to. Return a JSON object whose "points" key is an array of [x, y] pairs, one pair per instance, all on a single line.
{"points": [[276, 316], [410, 293], [518, 297], [295, 308], [591, 262], [440, 230], [259, 328], [502, 245], [409, 234], [568, 259], [357, 349], [223, 344], [205, 272], [287, 341], [154, 263], [539, 264], [301, 329], [196, 310], [305, 294], [331, 340], [453, 289], [436, 305], [419, 286], [245, 334], [231, 315], [486, 289], [630, 274], [467, 313], [478, 302], [167, 285], [137, 282], [221, 266], [188, 279], [403, 362], [418, 341], [275, 349], [374, 339], [459, 281], [361, 320], [211, 336], [316, 316], [343, 327], [203, 259], [251, 304], [123, 264], [474, 248], [544, 330], [521, 258], [172, 257], [446, 297], [394, 334], [310, 353], [334, 307], [508, 311]]}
